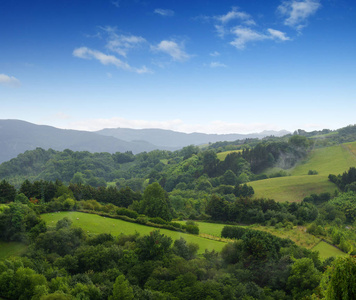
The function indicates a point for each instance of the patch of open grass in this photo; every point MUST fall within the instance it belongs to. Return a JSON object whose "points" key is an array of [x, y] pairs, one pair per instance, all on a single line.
{"points": [[330, 160], [326, 250], [11, 249], [297, 234], [94, 224], [222, 155], [292, 188]]}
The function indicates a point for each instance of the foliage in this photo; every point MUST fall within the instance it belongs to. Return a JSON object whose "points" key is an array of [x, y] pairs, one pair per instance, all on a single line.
{"points": [[340, 279]]}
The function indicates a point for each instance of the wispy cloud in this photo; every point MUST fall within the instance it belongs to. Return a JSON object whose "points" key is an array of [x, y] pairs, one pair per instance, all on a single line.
{"points": [[120, 43], [116, 3], [242, 27], [214, 54], [244, 35], [164, 12], [277, 35], [86, 53], [244, 17], [9, 81], [297, 12], [173, 49], [216, 64]]}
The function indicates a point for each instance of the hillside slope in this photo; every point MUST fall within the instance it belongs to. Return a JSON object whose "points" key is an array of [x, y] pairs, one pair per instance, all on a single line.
{"points": [[330, 160]]}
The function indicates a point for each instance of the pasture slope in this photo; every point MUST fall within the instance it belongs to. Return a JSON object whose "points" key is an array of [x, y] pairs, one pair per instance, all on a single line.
{"points": [[222, 155], [297, 234], [8, 249], [94, 224], [330, 160]]}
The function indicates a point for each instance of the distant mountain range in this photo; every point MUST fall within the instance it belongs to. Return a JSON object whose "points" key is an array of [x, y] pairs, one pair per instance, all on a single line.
{"points": [[18, 136], [172, 139]]}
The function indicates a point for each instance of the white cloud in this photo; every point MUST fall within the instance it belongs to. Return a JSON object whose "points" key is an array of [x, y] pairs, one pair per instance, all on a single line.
{"points": [[246, 35], [121, 43], [216, 64], [10, 81], [215, 53], [105, 59], [164, 12], [279, 35], [173, 49], [235, 14], [245, 32], [297, 12], [220, 127]]}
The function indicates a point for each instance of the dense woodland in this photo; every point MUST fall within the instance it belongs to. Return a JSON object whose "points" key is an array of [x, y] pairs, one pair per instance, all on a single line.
{"points": [[154, 189]]}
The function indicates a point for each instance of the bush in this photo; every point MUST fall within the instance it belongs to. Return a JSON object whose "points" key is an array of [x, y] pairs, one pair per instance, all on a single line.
{"points": [[127, 212], [192, 227]]}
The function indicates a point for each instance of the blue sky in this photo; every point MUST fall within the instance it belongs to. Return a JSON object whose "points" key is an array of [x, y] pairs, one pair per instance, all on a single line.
{"points": [[205, 66]]}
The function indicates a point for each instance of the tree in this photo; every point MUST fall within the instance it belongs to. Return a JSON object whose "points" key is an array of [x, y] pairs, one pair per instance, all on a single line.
{"points": [[304, 278], [229, 178], [122, 289], [339, 281], [210, 163], [155, 202], [7, 192], [153, 246]]}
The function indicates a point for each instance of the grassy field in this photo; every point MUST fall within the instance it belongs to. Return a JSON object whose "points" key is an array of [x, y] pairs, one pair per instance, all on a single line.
{"points": [[11, 248], [222, 155], [291, 188], [95, 224], [297, 234], [331, 160], [326, 250]]}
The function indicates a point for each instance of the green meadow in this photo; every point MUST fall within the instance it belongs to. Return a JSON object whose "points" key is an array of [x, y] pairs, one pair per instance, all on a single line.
{"points": [[94, 224], [331, 160], [297, 234], [326, 250], [8, 249], [222, 155]]}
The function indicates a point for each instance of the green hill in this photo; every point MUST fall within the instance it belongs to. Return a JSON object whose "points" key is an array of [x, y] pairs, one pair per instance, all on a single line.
{"points": [[330, 160], [95, 224]]}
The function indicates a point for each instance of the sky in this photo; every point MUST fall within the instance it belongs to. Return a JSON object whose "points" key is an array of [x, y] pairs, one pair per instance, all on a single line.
{"points": [[214, 66]]}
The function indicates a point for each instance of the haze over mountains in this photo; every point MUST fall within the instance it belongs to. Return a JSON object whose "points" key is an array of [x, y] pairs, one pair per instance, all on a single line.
{"points": [[17, 136]]}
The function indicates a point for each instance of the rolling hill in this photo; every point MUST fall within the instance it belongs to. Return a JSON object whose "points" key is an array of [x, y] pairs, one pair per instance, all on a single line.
{"points": [[330, 160]]}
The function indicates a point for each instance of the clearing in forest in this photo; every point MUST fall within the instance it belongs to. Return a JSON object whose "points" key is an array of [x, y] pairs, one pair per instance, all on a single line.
{"points": [[94, 224], [330, 160]]}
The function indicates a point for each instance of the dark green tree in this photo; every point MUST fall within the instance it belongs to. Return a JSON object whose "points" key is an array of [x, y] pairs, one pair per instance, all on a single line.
{"points": [[155, 202]]}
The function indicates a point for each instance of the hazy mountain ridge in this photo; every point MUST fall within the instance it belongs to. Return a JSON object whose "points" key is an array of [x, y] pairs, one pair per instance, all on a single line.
{"points": [[17, 136], [174, 139]]}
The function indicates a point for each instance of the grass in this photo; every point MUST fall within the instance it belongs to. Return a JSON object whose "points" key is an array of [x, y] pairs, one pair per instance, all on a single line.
{"points": [[297, 234], [326, 250], [291, 188], [94, 224], [11, 249], [222, 155], [330, 160]]}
